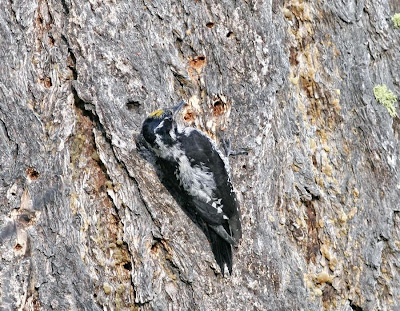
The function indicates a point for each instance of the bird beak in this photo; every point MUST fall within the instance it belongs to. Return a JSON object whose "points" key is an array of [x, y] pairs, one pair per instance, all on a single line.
{"points": [[177, 108]]}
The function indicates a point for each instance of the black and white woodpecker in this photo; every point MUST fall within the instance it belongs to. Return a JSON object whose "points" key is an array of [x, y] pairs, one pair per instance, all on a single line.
{"points": [[197, 170]]}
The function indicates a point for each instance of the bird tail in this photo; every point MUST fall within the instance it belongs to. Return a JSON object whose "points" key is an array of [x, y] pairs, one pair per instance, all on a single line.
{"points": [[222, 251]]}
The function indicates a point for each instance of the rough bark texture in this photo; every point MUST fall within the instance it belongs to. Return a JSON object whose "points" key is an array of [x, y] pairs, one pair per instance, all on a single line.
{"points": [[85, 223]]}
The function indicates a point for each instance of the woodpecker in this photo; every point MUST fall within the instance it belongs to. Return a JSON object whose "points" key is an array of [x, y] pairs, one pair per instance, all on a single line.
{"points": [[194, 169]]}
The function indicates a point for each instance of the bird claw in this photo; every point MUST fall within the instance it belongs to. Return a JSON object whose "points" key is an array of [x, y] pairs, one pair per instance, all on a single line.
{"points": [[227, 144]]}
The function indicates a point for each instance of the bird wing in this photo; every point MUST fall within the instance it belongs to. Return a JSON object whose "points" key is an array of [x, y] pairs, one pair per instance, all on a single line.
{"points": [[202, 152]]}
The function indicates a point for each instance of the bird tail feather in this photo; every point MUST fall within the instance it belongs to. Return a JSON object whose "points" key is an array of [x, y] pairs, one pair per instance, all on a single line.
{"points": [[222, 251]]}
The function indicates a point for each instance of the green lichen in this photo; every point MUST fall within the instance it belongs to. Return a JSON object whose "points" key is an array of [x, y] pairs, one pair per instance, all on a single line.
{"points": [[107, 288], [387, 98], [396, 20]]}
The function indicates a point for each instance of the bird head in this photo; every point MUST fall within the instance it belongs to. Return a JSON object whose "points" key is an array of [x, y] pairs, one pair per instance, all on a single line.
{"points": [[161, 122]]}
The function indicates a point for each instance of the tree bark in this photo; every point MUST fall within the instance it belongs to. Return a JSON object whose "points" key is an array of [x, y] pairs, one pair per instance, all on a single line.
{"points": [[85, 224]]}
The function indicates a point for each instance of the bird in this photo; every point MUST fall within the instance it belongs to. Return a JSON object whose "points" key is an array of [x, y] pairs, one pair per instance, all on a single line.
{"points": [[197, 174]]}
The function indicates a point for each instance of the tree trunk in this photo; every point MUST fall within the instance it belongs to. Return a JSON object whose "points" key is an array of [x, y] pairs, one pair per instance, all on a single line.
{"points": [[85, 223]]}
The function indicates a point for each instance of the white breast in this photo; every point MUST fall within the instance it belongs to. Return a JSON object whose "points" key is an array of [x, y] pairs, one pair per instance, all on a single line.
{"points": [[195, 179]]}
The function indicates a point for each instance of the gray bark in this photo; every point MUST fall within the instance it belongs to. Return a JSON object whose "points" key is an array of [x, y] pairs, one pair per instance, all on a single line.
{"points": [[85, 224]]}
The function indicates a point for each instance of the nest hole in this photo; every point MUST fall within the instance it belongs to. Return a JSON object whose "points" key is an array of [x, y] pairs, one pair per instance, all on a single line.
{"points": [[218, 108], [51, 40], [32, 173], [133, 105], [198, 62], [47, 82], [25, 218], [188, 117]]}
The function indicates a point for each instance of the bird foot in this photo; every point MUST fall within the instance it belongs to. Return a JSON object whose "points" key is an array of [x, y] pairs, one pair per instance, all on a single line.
{"points": [[227, 145]]}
